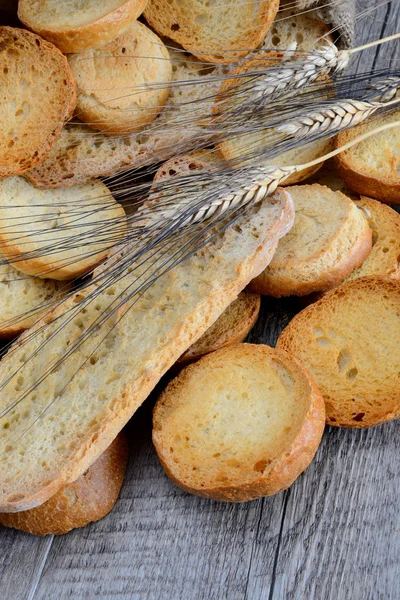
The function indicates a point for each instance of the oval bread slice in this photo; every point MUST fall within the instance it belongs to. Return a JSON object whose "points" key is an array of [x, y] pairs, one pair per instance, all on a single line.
{"points": [[372, 167], [330, 237], [240, 149], [73, 25], [349, 341], [217, 31], [124, 85], [230, 328], [23, 299], [37, 96], [90, 498], [384, 258], [240, 423], [58, 234]]}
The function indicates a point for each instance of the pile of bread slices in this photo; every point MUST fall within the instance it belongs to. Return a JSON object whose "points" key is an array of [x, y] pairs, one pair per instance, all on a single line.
{"points": [[241, 420]]}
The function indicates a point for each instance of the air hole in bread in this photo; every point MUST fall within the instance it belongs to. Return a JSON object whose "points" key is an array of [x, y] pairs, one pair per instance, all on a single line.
{"points": [[352, 374], [343, 359], [175, 27]]}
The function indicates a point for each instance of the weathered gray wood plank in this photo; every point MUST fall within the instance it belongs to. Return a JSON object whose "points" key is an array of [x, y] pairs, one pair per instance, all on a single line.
{"points": [[159, 542]]}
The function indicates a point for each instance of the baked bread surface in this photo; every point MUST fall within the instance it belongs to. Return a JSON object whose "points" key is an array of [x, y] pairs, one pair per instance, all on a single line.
{"points": [[58, 234], [330, 237], [74, 26], [90, 498], [124, 85], [241, 423], [349, 341], [87, 398], [38, 96], [372, 167], [218, 31]]}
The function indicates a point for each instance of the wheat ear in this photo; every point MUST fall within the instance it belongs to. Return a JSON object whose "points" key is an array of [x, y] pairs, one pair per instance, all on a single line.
{"points": [[264, 181], [333, 118]]}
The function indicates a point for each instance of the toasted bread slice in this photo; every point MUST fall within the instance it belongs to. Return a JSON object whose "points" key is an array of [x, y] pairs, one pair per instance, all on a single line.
{"points": [[240, 149], [372, 167], [24, 299], [85, 400], [137, 63], [328, 176], [81, 155], [241, 423], [330, 237], [217, 32], [74, 25], [58, 234], [90, 498], [349, 341], [384, 258], [38, 96], [293, 27], [230, 328]]}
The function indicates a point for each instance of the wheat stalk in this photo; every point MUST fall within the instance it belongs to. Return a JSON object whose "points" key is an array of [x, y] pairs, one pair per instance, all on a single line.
{"points": [[387, 88], [334, 118]]}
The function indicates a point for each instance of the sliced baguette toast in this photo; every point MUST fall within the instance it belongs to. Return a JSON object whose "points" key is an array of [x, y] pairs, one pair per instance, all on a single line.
{"points": [[64, 421], [24, 299], [58, 234], [73, 25], [241, 423], [372, 167], [230, 328], [81, 155], [38, 96], [217, 31], [241, 149], [90, 498], [330, 238], [137, 63], [349, 341]]}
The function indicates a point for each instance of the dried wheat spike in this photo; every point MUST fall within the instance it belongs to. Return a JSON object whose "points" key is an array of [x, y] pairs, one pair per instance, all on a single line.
{"points": [[300, 73]]}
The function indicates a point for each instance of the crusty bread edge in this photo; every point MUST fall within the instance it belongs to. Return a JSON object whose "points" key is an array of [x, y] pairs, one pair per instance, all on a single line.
{"points": [[93, 35], [137, 390], [59, 515], [283, 470]]}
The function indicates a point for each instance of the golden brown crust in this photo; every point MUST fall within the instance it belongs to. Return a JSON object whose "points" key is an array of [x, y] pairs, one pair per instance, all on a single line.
{"points": [[346, 340], [138, 64], [231, 328], [360, 173], [90, 498], [26, 60], [86, 37], [167, 18], [277, 474]]}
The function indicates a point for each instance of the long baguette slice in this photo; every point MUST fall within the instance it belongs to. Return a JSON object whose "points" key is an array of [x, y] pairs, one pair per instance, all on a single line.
{"points": [[90, 498], [55, 426]]}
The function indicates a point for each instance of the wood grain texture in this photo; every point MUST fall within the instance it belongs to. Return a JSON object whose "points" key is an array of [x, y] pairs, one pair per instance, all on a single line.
{"points": [[335, 535]]}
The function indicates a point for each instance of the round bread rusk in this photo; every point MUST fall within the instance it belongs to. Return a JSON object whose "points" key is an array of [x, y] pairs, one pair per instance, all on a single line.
{"points": [[24, 299], [124, 85], [230, 328], [58, 233], [74, 26], [240, 149], [349, 341], [90, 498], [372, 167], [241, 423], [217, 31], [384, 258], [330, 237], [37, 96]]}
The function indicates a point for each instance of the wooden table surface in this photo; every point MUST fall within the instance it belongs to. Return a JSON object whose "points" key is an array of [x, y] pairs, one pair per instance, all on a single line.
{"points": [[335, 534]]}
